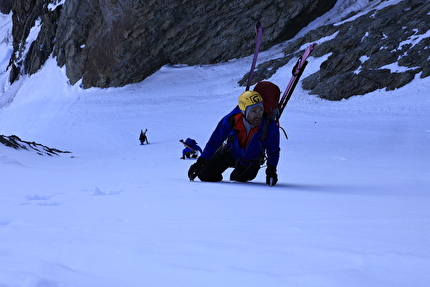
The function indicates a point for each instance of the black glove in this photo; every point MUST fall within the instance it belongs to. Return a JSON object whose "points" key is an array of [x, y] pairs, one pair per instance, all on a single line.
{"points": [[195, 168], [271, 176]]}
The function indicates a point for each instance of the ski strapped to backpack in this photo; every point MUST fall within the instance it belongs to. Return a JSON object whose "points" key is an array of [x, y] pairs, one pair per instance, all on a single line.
{"points": [[274, 105], [259, 32], [297, 73]]}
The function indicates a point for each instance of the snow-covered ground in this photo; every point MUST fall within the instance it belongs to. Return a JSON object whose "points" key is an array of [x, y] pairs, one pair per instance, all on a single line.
{"points": [[351, 207]]}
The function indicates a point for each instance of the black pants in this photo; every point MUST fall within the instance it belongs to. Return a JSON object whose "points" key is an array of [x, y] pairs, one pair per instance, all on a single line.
{"points": [[220, 162]]}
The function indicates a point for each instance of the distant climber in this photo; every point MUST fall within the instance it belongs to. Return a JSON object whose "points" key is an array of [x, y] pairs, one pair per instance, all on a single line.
{"points": [[143, 138], [191, 149]]}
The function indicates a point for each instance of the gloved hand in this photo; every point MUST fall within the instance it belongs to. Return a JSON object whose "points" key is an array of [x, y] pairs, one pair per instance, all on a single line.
{"points": [[271, 176], [195, 168]]}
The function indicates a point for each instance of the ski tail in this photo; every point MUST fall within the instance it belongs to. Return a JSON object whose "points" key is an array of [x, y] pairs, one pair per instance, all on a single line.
{"points": [[259, 32]]}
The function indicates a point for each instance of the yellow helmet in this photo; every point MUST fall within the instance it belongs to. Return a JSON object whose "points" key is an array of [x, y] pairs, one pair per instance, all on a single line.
{"points": [[249, 98]]}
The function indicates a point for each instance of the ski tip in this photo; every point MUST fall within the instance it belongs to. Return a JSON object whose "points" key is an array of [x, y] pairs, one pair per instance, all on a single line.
{"points": [[258, 29], [312, 46]]}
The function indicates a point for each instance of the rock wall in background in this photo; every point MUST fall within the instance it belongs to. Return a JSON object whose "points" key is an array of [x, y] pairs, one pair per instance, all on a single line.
{"points": [[111, 43]]}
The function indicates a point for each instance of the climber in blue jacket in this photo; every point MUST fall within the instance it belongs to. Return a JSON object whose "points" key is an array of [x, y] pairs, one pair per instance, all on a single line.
{"points": [[241, 140]]}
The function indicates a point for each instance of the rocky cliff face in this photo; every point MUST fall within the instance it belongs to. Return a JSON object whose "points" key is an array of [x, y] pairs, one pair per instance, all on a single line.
{"points": [[383, 49], [6, 6], [113, 43], [109, 43]]}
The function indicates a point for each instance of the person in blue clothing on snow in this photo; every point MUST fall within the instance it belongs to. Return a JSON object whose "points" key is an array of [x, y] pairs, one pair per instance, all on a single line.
{"points": [[240, 141], [191, 148]]}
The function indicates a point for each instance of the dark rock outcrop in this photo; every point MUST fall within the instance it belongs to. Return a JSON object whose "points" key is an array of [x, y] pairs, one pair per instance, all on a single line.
{"points": [[16, 143], [362, 50], [28, 57], [113, 43], [6, 6]]}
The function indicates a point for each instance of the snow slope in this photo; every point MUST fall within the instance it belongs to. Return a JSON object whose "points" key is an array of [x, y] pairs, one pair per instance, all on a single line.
{"points": [[351, 207]]}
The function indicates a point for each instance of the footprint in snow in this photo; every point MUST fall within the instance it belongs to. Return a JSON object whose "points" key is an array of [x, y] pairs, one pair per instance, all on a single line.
{"points": [[97, 191], [42, 200], [38, 197]]}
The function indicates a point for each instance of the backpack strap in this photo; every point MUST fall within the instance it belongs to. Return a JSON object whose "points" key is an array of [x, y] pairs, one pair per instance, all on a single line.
{"points": [[265, 127], [267, 119], [232, 120]]}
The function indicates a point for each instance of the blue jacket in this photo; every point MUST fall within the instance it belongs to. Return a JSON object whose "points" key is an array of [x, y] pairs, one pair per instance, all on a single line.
{"points": [[192, 145], [254, 150]]}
